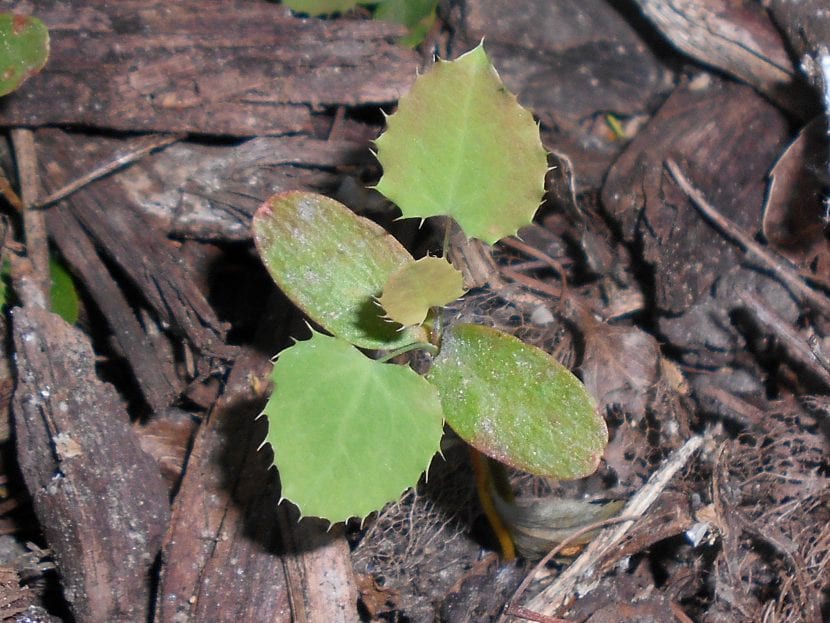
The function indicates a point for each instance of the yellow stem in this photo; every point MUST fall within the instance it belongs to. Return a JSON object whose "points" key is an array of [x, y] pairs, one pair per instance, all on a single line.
{"points": [[481, 469]]}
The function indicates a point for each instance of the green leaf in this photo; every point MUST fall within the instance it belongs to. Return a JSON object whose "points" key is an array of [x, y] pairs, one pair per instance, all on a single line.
{"points": [[320, 7], [24, 48], [332, 264], [65, 302], [6, 291], [64, 295], [516, 403], [349, 433], [419, 285], [417, 15], [461, 145]]}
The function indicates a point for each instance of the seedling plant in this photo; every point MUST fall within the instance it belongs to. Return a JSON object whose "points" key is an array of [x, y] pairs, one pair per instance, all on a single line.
{"points": [[351, 429]]}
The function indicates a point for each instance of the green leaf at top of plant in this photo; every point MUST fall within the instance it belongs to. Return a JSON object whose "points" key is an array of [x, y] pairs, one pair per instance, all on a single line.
{"points": [[461, 145], [516, 403], [358, 438], [320, 7], [24, 48], [332, 264], [417, 15], [64, 295], [416, 287]]}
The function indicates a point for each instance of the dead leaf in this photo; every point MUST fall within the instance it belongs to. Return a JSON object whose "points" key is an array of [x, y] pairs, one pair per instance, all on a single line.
{"points": [[621, 362], [793, 213], [376, 598]]}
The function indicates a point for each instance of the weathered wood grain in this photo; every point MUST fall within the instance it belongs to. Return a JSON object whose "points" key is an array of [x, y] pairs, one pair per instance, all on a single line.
{"points": [[204, 66], [139, 250], [210, 192], [99, 498], [738, 38], [727, 137]]}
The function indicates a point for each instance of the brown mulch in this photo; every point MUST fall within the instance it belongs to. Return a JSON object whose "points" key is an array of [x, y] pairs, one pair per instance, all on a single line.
{"points": [[679, 265]]}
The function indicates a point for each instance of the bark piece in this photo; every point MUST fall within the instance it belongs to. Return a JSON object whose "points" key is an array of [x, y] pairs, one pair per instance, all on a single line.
{"points": [[727, 137], [738, 38], [567, 60], [152, 366], [166, 437], [211, 192], [206, 66], [99, 498], [705, 332], [793, 222], [231, 554], [34, 225], [138, 249], [806, 24]]}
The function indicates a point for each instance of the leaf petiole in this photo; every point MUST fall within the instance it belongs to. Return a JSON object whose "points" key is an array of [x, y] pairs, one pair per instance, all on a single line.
{"points": [[432, 349]]}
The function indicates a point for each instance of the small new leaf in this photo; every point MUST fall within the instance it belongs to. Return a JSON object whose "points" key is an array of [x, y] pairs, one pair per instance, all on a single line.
{"points": [[416, 287], [358, 438], [461, 145]]}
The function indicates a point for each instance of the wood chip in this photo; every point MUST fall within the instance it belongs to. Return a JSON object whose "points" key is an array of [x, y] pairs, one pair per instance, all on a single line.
{"points": [[204, 66], [99, 498]]}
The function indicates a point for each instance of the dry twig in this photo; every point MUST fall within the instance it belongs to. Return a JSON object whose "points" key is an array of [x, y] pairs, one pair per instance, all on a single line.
{"points": [[147, 145], [788, 275], [34, 224], [580, 575]]}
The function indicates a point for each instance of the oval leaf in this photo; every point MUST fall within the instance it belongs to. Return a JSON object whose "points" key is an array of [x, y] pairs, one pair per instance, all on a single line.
{"points": [[419, 285], [461, 145], [358, 438], [24, 48], [332, 264], [516, 403]]}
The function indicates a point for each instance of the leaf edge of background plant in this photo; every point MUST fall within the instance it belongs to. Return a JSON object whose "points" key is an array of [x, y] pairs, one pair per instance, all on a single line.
{"points": [[32, 66]]}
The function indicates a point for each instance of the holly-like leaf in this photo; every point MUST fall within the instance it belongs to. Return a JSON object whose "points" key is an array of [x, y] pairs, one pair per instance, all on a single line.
{"points": [[332, 264], [516, 403], [355, 440], [461, 145], [24, 48], [320, 7], [419, 285]]}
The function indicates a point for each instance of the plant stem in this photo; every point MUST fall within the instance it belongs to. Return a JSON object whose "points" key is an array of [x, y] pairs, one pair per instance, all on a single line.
{"points": [[446, 244], [483, 476], [430, 348]]}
